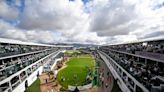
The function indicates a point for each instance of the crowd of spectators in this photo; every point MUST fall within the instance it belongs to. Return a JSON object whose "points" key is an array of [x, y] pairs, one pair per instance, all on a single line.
{"points": [[21, 59], [50, 63], [146, 66], [154, 47], [11, 66], [144, 73], [13, 49], [19, 64]]}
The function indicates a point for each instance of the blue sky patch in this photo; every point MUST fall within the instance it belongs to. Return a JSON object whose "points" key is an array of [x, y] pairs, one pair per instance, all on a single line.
{"points": [[158, 6]]}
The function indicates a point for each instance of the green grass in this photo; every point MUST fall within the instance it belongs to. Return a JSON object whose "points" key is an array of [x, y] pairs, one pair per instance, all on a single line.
{"points": [[71, 52], [76, 66], [35, 87]]}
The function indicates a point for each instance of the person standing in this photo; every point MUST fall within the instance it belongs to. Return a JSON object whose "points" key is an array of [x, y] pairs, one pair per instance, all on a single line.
{"points": [[102, 81], [106, 85], [26, 84]]}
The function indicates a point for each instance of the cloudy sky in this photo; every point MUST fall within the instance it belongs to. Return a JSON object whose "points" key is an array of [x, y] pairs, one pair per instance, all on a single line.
{"points": [[81, 21]]}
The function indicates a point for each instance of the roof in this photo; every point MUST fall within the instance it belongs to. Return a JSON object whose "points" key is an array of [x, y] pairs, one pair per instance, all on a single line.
{"points": [[12, 41], [139, 41]]}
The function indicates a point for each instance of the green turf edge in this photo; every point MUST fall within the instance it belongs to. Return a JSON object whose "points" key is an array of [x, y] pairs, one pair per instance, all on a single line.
{"points": [[34, 87]]}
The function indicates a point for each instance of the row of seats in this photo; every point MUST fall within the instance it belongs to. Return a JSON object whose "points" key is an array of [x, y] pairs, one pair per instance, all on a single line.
{"points": [[153, 47], [16, 80], [12, 66], [144, 73], [13, 49]]}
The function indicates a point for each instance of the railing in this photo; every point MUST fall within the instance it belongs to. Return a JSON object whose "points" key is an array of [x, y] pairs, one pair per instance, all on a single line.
{"points": [[140, 56], [111, 67], [23, 78], [17, 52], [22, 54], [14, 71], [4, 68], [5, 89], [127, 74], [150, 54], [15, 84], [38, 63], [19, 72]]}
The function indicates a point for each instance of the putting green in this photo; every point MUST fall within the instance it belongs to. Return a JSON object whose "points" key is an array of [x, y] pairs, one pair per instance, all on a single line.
{"points": [[76, 70]]}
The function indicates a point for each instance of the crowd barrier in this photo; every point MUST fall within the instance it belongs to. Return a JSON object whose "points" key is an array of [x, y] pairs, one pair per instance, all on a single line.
{"points": [[84, 87]]}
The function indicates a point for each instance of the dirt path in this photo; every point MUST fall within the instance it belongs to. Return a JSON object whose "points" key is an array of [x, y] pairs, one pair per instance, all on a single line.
{"points": [[50, 86]]}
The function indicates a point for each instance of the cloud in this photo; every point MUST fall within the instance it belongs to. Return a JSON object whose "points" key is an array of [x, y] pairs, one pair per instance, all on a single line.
{"points": [[122, 17], [8, 12], [63, 16], [40, 36], [9, 31], [52, 14], [29, 36], [96, 22], [89, 37], [112, 17], [155, 34], [121, 39]]}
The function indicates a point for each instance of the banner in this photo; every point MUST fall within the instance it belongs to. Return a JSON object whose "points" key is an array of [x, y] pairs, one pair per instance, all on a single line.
{"points": [[85, 87], [72, 88]]}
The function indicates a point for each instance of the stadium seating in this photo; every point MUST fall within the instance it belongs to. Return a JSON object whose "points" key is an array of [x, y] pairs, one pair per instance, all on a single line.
{"points": [[147, 70], [13, 49], [154, 47]]}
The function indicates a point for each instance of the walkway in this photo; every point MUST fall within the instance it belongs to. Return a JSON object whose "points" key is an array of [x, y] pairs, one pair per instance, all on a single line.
{"points": [[109, 81], [50, 86]]}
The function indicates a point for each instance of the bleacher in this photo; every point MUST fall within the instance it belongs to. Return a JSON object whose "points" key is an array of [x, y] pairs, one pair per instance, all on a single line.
{"points": [[7, 49], [18, 60], [144, 61]]}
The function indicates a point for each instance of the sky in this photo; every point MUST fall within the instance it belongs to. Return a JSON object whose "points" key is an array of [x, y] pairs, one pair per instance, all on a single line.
{"points": [[81, 21]]}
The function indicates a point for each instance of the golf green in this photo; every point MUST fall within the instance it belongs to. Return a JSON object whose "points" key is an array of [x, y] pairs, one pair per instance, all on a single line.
{"points": [[76, 70]]}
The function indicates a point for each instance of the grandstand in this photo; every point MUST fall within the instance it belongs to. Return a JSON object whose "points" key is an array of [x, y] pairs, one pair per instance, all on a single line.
{"points": [[138, 66], [22, 62], [128, 67]]}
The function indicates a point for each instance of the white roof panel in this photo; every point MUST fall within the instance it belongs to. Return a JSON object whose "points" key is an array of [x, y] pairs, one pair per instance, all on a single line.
{"points": [[12, 41], [137, 41]]}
